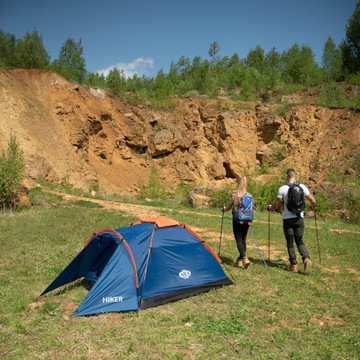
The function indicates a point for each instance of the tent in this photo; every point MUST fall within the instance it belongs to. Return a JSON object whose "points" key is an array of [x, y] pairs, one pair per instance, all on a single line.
{"points": [[151, 262]]}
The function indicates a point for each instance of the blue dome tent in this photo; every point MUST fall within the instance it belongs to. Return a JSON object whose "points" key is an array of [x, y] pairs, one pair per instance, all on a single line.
{"points": [[149, 263]]}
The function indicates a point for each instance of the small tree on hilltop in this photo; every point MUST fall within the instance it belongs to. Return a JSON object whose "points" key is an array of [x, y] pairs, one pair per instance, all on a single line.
{"points": [[332, 61], [71, 62], [31, 53], [12, 166]]}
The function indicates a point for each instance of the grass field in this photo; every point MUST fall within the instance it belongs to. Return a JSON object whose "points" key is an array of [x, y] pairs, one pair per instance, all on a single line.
{"points": [[266, 314]]}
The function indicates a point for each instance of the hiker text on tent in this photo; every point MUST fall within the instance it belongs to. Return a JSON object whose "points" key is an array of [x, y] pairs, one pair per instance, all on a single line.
{"points": [[112, 299]]}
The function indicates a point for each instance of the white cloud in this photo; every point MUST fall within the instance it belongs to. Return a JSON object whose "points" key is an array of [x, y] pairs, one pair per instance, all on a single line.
{"points": [[139, 66]]}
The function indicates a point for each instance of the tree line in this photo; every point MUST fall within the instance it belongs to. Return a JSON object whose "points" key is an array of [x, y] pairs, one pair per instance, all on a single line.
{"points": [[251, 78]]}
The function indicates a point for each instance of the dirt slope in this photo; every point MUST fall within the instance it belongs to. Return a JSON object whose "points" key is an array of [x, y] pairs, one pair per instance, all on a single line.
{"points": [[93, 140]]}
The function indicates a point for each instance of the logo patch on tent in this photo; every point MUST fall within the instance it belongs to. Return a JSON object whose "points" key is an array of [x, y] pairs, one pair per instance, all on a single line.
{"points": [[185, 274]]}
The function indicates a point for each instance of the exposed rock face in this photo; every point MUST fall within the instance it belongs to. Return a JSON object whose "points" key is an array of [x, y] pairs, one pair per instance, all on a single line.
{"points": [[200, 196], [92, 139]]}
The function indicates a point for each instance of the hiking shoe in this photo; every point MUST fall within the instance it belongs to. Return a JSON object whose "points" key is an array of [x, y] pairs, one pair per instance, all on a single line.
{"points": [[293, 268], [246, 263], [237, 262], [307, 266]]}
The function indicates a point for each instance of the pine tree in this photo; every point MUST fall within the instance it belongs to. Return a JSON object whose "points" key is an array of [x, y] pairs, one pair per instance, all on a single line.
{"points": [[350, 47], [332, 61], [12, 166], [31, 53], [71, 62]]}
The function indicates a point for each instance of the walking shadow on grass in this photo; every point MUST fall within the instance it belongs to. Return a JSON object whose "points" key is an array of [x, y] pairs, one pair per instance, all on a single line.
{"points": [[228, 263], [280, 264], [226, 260]]}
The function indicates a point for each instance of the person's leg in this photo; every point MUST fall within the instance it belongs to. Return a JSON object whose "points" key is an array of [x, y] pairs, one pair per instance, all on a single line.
{"points": [[238, 234], [244, 231], [244, 228], [289, 236], [298, 234], [299, 228], [239, 240]]}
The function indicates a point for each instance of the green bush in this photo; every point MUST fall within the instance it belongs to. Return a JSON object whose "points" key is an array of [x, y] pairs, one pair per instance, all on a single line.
{"points": [[12, 166], [155, 189], [333, 96], [342, 199], [221, 197], [323, 202], [349, 199], [182, 194], [264, 194], [354, 79], [283, 109], [265, 168]]}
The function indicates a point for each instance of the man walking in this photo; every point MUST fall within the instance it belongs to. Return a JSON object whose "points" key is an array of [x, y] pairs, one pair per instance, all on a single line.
{"points": [[293, 222]]}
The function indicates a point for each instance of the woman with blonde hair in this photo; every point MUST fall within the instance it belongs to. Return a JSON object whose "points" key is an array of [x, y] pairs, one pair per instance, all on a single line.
{"points": [[240, 229]]}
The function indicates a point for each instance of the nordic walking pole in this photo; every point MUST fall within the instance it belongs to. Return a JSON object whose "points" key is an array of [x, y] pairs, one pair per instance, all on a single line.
{"points": [[317, 235], [221, 229], [268, 235], [255, 242]]}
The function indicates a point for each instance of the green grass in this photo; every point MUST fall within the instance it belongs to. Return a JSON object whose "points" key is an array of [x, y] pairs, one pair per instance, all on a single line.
{"points": [[266, 314]]}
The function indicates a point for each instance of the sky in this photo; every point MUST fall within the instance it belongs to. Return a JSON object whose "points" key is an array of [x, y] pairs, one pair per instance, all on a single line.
{"points": [[145, 36]]}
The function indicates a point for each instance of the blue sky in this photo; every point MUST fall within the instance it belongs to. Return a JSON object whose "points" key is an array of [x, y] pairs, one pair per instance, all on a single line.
{"points": [[144, 36]]}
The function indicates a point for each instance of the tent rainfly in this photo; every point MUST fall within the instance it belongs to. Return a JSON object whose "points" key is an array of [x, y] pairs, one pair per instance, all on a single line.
{"points": [[149, 263]]}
